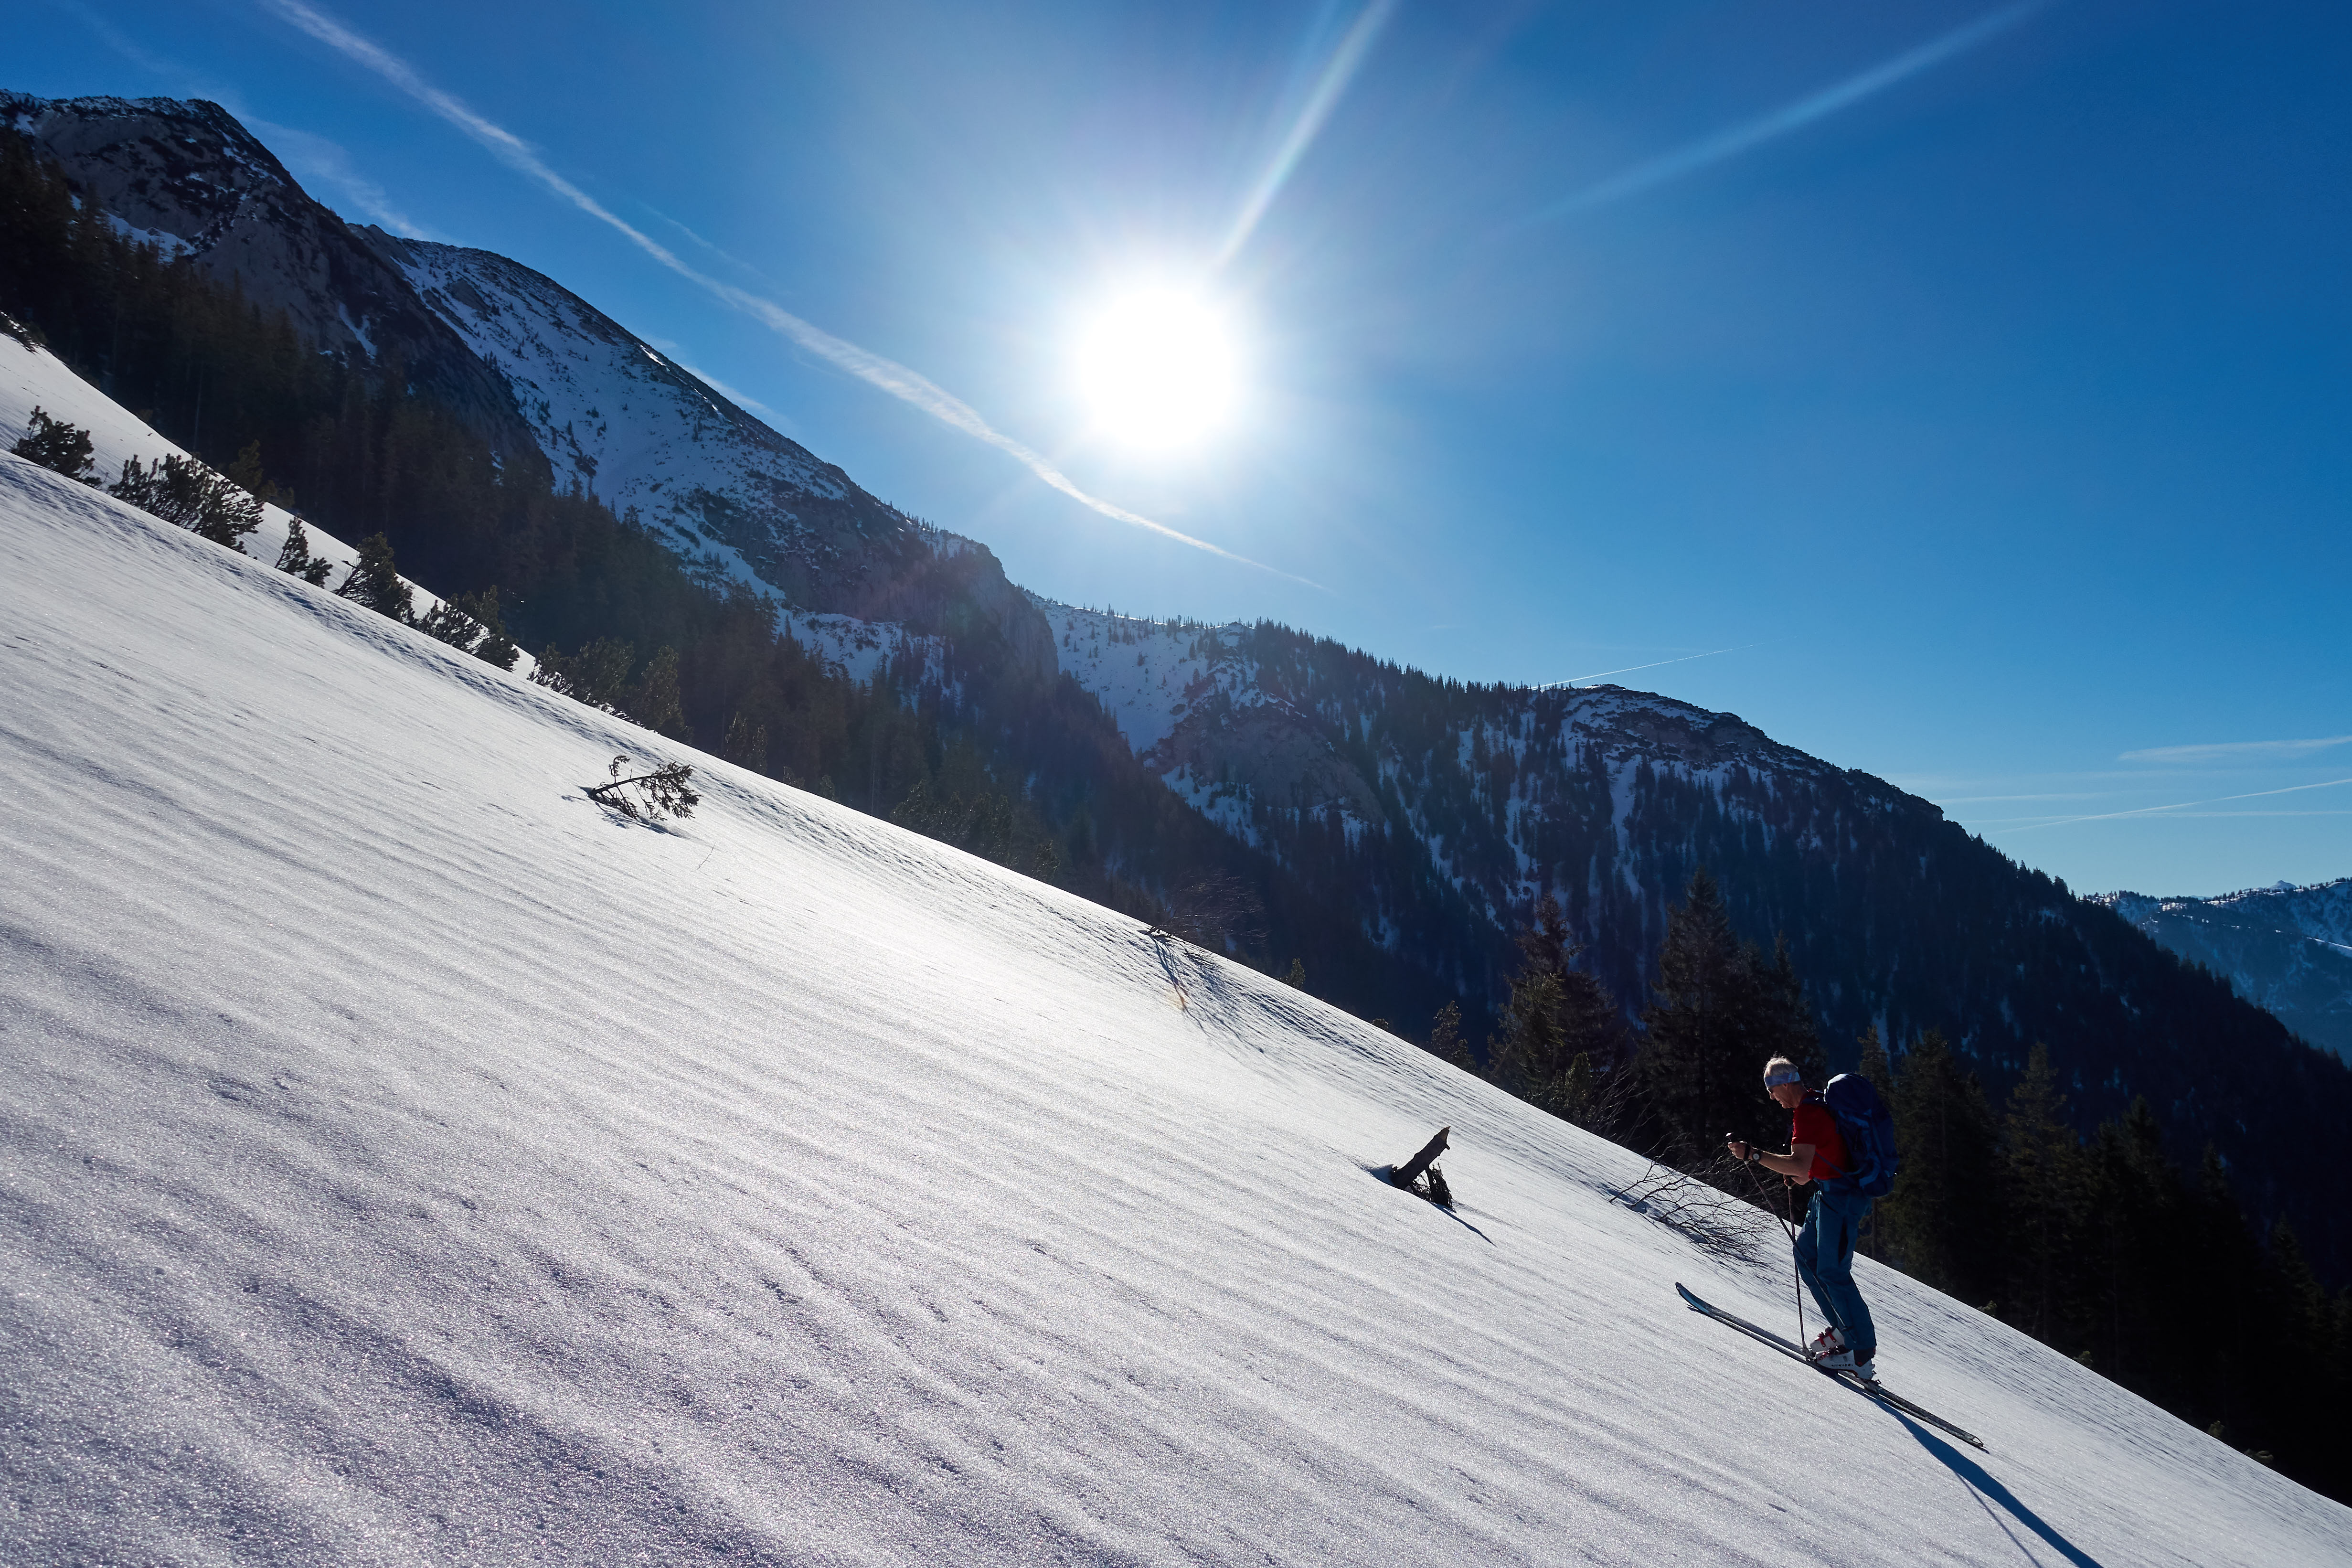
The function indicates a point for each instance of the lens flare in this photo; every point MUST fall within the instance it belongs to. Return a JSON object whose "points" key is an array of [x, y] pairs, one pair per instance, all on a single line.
{"points": [[1160, 369]]}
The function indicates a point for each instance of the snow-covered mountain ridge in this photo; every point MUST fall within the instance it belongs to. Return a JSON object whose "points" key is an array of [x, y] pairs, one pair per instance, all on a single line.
{"points": [[527, 364], [2287, 949], [1251, 741], [187, 176], [406, 1162], [654, 441]]}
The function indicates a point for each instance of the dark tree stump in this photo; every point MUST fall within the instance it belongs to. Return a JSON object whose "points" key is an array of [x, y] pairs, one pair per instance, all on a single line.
{"points": [[1404, 1175]]}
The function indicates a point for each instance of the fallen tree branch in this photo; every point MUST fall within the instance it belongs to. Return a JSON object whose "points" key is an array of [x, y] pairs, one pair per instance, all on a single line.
{"points": [[1410, 1175], [663, 792]]}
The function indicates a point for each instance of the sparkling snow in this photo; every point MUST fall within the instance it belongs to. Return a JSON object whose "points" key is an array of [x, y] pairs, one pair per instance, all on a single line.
{"points": [[406, 1162]]}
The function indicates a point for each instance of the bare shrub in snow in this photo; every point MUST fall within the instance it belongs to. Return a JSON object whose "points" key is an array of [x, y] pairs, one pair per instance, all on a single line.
{"points": [[1712, 1217]]}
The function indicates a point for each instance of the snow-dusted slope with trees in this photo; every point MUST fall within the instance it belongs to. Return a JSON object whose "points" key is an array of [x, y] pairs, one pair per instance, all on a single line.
{"points": [[645, 435], [2287, 949], [404, 1161], [31, 378], [655, 443], [185, 177]]}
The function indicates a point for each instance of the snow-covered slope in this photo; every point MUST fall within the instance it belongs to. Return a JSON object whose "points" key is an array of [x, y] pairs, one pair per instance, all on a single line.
{"points": [[406, 1162], [2287, 948], [654, 442], [643, 435], [31, 378], [1240, 741]]}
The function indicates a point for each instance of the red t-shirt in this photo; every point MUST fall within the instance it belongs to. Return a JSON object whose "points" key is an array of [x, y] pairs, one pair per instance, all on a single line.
{"points": [[1811, 1123]]}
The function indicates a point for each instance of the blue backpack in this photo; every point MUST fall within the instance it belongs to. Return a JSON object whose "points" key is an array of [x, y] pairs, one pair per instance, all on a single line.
{"points": [[1868, 1129]]}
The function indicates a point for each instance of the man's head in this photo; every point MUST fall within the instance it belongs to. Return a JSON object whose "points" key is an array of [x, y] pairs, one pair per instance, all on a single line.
{"points": [[1784, 1083]]}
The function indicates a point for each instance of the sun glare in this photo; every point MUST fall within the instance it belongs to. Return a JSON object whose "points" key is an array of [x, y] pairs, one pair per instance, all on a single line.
{"points": [[1158, 369]]}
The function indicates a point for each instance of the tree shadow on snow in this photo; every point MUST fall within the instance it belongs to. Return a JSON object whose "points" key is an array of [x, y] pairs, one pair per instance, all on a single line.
{"points": [[1381, 1174], [1980, 1482]]}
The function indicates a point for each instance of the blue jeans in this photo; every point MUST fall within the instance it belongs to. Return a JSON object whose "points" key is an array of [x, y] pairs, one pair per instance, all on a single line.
{"points": [[1825, 1259]]}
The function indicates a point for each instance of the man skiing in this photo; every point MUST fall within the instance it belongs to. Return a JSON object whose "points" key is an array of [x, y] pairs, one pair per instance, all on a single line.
{"points": [[1825, 1246]]}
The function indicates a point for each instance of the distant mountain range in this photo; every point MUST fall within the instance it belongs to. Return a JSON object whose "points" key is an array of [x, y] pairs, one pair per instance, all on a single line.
{"points": [[2284, 948], [1423, 816]]}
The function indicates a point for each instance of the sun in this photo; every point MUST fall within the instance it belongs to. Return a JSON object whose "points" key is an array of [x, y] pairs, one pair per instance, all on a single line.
{"points": [[1160, 369]]}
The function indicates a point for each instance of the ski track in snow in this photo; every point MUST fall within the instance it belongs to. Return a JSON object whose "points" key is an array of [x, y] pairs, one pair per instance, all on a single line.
{"points": [[407, 1161]]}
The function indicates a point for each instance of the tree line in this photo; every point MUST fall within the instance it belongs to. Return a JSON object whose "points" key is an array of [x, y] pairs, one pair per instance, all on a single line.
{"points": [[2105, 1246], [973, 748]]}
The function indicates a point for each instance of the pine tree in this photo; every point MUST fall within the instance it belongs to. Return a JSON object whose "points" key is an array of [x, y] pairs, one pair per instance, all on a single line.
{"points": [[445, 622], [1940, 1216], [294, 556], [1787, 1015], [654, 702], [495, 648], [375, 583], [184, 492], [1704, 1054], [1297, 978], [56, 444], [1445, 1041], [2037, 1178], [598, 675], [246, 474], [747, 742], [1561, 1030]]}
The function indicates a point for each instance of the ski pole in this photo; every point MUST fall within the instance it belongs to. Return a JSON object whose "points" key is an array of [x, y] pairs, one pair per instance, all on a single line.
{"points": [[1789, 1227]]}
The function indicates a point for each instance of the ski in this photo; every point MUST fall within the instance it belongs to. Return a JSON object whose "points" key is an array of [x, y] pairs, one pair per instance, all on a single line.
{"points": [[1877, 1391]]}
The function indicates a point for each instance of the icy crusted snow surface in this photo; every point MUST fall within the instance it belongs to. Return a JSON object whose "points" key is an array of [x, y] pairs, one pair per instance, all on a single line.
{"points": [[406, 1162]]}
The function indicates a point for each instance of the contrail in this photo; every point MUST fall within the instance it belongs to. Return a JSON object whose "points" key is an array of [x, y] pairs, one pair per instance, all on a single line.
{"points": [[2182, 806], [2228, 750], [1347, 57], [1599, 675], [892, 378], [1740, 138]]}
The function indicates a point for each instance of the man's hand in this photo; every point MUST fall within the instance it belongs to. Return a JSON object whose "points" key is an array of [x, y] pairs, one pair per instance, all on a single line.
{"points": [[1738, 1151]]}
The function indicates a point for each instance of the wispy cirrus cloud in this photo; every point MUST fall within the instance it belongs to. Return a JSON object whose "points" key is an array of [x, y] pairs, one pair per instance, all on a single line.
{"points": [[2237, 750], [2184, 807], [1708, 151], [318, 161], [900, 382]]}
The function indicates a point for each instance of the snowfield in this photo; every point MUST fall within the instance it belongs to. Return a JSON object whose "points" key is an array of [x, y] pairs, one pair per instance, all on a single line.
{"points": [[404, 1161], [34, 378]]}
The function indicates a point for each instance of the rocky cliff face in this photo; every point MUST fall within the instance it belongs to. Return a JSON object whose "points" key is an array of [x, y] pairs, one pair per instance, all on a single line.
{"points": [[188, 179], [2286, 949]]}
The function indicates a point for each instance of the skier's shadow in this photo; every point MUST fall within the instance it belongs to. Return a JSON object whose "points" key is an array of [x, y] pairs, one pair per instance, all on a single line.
{"points": [[1981, 1483]]}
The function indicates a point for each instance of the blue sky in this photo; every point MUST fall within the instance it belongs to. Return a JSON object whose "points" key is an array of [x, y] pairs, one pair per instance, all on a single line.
{"points": [[1980, 376]]}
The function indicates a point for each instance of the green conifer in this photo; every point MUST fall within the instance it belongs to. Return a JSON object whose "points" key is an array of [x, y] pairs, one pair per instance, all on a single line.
{"points": [[653, 701], [294, 556], [374, 581], [56, 444]]}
